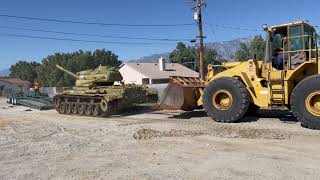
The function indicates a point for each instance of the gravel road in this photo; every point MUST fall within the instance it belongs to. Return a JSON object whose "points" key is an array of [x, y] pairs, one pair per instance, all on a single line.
{"points": [[154, 145]]}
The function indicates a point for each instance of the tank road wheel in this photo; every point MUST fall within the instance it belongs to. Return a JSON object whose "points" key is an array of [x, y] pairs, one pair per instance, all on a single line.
{"points": [[104, 105], [81, 108], [68, 108], [88, 110], [226, 99], [62, 108], [74, 107], [96, 111], [57, 102], [305, 102]]}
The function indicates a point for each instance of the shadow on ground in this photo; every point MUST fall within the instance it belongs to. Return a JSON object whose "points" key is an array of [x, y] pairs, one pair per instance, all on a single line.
{"points": [[136, 110], [190, 115], [283, 115]]}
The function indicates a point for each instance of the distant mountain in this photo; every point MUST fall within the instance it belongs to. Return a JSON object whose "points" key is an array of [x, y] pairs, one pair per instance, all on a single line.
{"points": [[225, 48], [4, 73], [153, 58]]}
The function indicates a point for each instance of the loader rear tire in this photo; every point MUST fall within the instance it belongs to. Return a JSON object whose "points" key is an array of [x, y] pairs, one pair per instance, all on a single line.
{"points": [[305, 102], [232, 96]]}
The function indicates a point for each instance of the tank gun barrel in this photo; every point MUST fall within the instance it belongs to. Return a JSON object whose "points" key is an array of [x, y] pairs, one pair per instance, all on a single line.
{"points": [[68, 72], [119, 66]]}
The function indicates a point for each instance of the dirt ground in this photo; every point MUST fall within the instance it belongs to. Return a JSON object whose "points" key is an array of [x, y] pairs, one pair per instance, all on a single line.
{"points": [[154, 145]]}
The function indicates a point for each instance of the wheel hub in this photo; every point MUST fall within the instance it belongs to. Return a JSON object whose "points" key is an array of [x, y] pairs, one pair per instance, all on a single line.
{"points": [[313, 103], [222, 100]]}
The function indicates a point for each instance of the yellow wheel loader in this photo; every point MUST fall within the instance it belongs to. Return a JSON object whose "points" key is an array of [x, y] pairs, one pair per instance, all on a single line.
{"points": [[288, 78]]}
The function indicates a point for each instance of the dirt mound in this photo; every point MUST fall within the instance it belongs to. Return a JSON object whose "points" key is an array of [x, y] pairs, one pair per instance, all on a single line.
{"points": [[219, 131], [3, 123]]}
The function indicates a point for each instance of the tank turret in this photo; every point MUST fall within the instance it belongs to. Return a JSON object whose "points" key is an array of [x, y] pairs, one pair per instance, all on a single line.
{"points": [[101, 76]]}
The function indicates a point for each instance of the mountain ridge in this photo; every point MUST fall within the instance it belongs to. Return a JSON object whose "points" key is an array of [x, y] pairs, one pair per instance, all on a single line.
{"points": [[4, 73], [226, 49]]}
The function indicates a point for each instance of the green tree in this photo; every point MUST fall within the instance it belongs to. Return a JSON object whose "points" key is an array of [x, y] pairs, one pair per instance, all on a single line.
{"points": [[189, 56], [49, 75], [257, 47], [24, 70], [211, 56], [243, 53], [183, 55]]}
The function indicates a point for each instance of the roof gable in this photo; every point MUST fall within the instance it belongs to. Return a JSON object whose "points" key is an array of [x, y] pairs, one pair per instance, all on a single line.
{"points": [[152, 70], [14, 81]]}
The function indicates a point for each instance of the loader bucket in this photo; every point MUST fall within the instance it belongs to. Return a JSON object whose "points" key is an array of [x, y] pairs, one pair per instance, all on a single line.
{"points": [[182, 93]]}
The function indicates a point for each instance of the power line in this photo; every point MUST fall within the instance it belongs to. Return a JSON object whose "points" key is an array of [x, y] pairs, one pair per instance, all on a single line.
{"points": [[94, 23], [232, 27], [235, 28], [92, 35], [78, 40], [211, 29]]}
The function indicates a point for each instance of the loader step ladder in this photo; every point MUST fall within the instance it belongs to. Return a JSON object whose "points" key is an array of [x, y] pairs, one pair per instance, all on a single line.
{"points": [[277, 91]]}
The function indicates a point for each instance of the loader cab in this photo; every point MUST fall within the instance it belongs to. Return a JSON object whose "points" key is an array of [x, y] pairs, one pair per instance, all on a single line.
{"points": [[290, 45]]}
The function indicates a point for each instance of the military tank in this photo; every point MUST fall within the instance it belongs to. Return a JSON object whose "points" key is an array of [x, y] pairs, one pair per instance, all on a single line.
{"points": [[95, 93]]}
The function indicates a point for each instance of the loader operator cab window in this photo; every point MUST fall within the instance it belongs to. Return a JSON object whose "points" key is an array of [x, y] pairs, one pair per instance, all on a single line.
{"points": [[296, 54], [278, 44], [292, 46]]}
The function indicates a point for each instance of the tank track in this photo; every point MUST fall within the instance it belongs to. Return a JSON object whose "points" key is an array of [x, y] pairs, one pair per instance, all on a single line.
{"points": [[84, 105]]}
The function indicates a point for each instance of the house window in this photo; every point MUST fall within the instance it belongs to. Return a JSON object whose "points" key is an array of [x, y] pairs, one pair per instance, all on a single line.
{"points": [[160, 81], [145, 80]]}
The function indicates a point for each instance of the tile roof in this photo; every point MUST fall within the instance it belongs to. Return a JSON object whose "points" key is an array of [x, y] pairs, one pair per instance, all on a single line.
{"points": [[14, 81], [152, 70]]}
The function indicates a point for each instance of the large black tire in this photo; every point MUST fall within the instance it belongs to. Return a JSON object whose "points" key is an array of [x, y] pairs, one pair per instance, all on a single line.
{"points": [[240, 99], [299, 98]]}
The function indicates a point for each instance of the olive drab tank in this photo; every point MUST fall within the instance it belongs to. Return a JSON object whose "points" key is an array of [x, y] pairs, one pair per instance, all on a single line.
{"points": [[95, 93]]}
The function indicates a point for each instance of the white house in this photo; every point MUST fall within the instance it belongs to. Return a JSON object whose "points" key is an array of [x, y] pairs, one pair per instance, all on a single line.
{"points": [[154, 73], [10, 86]]}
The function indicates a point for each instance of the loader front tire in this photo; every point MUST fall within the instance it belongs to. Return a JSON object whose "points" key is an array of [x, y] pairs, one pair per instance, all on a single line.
{"points": [[226, 99], [305, 102]]}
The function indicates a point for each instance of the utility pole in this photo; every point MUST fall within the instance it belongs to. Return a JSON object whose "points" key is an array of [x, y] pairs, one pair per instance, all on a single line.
{"points": [[198, 18]]}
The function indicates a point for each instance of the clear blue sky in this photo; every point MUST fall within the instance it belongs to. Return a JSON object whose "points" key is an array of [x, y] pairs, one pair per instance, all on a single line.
{"points": [[237, 13]]}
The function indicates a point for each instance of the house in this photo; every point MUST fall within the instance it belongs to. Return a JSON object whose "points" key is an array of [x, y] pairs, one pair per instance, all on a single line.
{"points": [[10, 86], [154, 73]]}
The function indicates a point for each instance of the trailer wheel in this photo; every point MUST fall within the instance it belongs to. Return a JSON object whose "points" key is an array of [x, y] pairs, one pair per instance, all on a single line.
{"points": [[14, 100], [305, 102], [226, 99]]}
